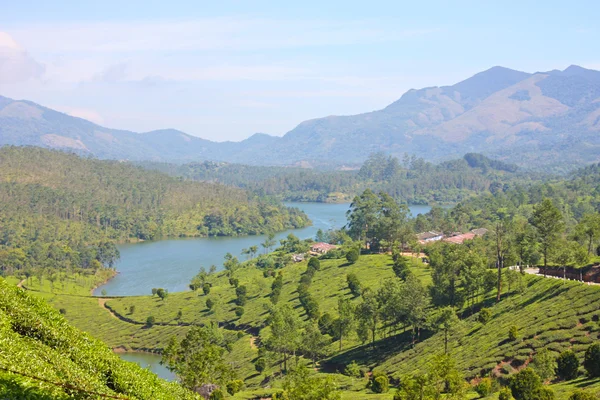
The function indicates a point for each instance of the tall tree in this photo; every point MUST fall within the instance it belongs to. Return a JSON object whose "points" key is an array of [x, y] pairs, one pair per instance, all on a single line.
{"points": [[548, 221], [345, 322]]}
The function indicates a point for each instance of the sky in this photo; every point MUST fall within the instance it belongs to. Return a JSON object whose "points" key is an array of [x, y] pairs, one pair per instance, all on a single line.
{"points": [[228, 69]]}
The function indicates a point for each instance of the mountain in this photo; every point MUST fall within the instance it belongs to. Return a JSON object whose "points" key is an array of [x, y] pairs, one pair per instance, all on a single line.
{"points": [[541, 119]]}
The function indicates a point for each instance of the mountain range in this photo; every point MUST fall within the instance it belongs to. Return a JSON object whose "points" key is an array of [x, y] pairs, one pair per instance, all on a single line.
{"points": [[541, 120]]}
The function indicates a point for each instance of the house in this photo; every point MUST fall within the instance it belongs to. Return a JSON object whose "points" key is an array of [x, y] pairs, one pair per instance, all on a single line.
{"points": [[298, 257], [428, 237], [460, 239], [322, 248]]}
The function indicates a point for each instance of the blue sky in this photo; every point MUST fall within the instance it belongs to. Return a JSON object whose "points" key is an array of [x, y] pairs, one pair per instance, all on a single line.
{"points": [[225, 71]]}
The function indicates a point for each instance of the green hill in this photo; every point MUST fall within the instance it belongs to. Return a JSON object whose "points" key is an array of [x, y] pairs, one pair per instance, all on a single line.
{"points": [[43, 357]]}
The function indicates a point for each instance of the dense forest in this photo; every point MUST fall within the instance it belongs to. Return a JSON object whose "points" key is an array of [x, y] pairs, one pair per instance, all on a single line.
{"points": [[411, 180], [57, 209]]}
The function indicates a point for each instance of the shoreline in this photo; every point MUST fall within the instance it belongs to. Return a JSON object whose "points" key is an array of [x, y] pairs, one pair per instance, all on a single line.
{"points": [[112, 275]]}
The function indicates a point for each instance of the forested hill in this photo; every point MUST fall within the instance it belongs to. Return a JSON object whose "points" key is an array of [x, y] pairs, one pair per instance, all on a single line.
{"points": [[411, 179], [72, 208]]}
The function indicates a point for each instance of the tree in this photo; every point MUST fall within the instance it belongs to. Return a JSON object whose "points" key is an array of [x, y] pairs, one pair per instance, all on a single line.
{"points": [[367, 315], [210, 303], [591, 361], [150, 321], [353, 284], [548, 221], [401, 267], [484, 315], [414, 302], [198, 358], [588, 230], [544, 364], [301, 385], [131, 309], [285, 332], [206, 288], [313, 342], [345, 322], [362, 216], [352, 370], [269, 242], [381, 384], [501, 231], [314, 263], [567, 365], [234, 386], [239, 311], [513, 333], [352, 256], [505, 394], [525, 384], [444, 320], [260, 365], [162, 293]]}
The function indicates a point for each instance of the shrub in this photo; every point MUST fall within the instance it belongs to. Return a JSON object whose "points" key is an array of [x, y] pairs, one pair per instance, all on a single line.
{"points": [[591, 361], [314, 263], [381, 384], [524, 384], [582, 395], [260, 365], [326, 324], [239, 311], [154, 291], [241, 291], [353, 284], [352, 370], [543, 393], [62, 311], [217, 394], [240, 334], [234, 386], [513, 333], [206, 288], [241, 301], [131, 309], [484, 387], [352, 256], [150, 321], [544, 364], [505, 394], [567, 365], [210, 303], [484, 315], [234, 282]]}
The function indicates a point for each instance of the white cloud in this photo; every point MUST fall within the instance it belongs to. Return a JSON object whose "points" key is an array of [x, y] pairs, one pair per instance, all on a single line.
{"points": [[16, 65]]}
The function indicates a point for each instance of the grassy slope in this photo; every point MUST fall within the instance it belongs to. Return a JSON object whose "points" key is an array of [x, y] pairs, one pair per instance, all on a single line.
{"points": [[37, 340]]}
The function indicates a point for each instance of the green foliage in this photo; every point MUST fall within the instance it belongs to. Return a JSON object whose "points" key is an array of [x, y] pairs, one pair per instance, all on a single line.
{"points": [[150, 321], [380, 384], [352, 256], [591, 361], [582, 395], [217, 394], [198, 358], [234, 386], [544, 364], [66, 212], [260, 365], [354, 284], [206, 289], [484, 316], [484, 387], [37, 341], [567, 365], [239, 311], [314, 263], [505, 394], [352, 370], [525, 384], [301, 385], [513, 333], [210, 303]]}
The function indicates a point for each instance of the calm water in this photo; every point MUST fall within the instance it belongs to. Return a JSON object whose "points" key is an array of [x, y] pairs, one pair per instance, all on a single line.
{"points": [[150, 361], [172, 263]]}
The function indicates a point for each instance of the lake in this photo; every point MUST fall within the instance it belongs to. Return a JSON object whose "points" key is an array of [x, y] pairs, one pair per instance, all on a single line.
{"points": [[150, 361], [171, 263]]}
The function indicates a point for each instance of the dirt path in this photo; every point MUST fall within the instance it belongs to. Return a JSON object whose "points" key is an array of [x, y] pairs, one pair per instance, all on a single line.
{"points": [[253, 340], [20, 284], [102, 303]]}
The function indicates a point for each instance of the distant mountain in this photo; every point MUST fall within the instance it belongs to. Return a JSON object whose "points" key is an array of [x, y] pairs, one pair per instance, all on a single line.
{"points": [[542, 119]]}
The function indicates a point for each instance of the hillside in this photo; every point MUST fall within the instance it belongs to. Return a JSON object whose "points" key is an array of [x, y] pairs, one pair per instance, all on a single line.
{"points": [[58, 210], [536, 120], [43, 357]]}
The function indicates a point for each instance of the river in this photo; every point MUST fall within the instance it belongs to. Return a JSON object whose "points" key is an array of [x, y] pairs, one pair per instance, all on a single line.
{"points": [[171, 263]]}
